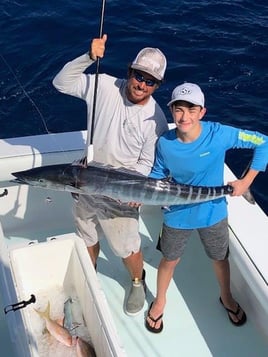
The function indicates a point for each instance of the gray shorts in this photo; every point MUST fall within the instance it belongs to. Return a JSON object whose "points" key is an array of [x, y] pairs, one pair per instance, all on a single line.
{"points": [[99, 216], [215, 240]]}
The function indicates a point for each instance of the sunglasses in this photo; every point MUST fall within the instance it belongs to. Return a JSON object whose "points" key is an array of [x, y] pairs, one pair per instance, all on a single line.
{"points": [[139, 77]]}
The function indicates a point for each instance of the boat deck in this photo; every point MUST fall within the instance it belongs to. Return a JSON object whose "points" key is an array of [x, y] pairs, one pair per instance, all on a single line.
{"points": [[195, 323]]}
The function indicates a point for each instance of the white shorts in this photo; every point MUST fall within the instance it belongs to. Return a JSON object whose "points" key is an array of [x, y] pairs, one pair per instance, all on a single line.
{"points": [[96, 216]]}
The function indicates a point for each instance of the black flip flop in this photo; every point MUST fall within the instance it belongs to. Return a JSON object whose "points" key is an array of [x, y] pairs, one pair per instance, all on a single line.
{"points": [[150, 328], [236, 313]]}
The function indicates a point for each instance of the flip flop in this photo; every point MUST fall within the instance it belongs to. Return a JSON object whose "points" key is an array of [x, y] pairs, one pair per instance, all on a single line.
{"points": [[150, 328], [243, 318]]}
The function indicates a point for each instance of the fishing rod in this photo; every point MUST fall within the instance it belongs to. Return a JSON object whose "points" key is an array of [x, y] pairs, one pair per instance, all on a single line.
{"points": [[25, 93], [34, 105], [89, 141]]}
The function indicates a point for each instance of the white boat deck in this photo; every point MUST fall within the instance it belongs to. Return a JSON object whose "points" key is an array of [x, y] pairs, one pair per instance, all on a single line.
{"points": [[195, 323]]}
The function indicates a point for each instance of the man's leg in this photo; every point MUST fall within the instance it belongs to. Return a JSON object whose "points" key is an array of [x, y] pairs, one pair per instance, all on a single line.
{"points": [[134, 264], [87, 225], [136, 298], [122, 233], [93, 252]]}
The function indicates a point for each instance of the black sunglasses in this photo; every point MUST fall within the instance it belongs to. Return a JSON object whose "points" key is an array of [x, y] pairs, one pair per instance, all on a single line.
{"points": [[139, 77]]}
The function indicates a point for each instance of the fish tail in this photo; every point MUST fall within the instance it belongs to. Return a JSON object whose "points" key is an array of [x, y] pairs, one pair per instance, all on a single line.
{"points": [[45, 314], [249, 197]]}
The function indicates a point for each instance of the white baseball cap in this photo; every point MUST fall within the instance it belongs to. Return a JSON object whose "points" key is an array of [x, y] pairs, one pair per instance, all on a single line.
{"points": [[188, 92], [152, 61]]}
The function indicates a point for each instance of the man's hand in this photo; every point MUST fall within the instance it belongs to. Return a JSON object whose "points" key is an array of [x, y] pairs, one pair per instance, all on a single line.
{"points": [[97, 47]]}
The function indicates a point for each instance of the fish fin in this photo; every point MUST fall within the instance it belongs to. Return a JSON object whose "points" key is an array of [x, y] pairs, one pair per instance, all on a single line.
{"points": [[118, 169], [60, 321], [75, 325], [80, 162], [69, 299], [73, 189], [249, 197], [45, 314]]}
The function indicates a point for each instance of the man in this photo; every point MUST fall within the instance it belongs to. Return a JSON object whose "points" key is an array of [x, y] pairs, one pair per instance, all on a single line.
{"points": [[127, 124], [193, 153]]}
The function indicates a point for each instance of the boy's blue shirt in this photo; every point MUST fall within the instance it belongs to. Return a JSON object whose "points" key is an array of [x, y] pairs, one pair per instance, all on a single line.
{"points": [[201, 163]]}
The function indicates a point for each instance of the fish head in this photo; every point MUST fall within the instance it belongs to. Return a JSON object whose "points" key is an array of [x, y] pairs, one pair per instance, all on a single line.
{"points": [[61, 177]]}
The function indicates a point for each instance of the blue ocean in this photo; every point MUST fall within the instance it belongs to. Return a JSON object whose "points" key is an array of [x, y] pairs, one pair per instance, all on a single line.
{"points": [[220, 45]]}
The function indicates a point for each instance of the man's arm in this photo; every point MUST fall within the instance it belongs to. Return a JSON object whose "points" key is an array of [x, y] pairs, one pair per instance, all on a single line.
{"points": [[71, 78]]}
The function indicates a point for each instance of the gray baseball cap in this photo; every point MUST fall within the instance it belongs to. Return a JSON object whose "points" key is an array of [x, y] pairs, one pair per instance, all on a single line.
{"points": [[188, 92], [152, 61]]}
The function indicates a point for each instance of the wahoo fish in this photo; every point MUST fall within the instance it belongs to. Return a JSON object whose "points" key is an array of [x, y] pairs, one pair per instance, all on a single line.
{"points": [[119, 184], [60, 333]]}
